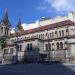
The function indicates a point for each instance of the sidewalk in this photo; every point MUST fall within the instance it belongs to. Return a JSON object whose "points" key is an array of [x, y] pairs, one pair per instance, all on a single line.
{"points": [[68, 64]]}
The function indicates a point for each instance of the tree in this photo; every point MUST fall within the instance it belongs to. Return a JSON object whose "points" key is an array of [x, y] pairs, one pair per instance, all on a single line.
{"points": [[2, 42]]}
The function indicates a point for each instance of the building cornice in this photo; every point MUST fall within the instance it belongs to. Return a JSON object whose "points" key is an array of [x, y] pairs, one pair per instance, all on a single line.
{"points": [[42, 28]]}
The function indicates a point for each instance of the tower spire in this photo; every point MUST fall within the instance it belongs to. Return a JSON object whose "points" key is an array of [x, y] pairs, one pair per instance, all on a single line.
{"points": [[19, 27], [5, 19]]}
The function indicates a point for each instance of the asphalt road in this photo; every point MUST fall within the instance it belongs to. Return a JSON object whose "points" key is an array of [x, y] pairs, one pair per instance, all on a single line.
{"points": [[36, 69]]}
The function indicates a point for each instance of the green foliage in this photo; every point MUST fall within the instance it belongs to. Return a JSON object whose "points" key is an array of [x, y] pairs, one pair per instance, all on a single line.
{"points": [[2, 42]]}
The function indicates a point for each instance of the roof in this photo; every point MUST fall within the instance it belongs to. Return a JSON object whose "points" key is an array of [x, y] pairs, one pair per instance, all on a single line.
{"points": [[50, 26]]}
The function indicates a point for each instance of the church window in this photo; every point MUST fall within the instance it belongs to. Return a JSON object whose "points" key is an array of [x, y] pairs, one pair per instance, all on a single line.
{"points": [[61, 45], [58, 46], [62, 33]]}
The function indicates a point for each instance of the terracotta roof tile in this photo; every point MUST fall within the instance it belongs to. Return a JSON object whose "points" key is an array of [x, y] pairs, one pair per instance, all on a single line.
{"points": [[51, 26]]}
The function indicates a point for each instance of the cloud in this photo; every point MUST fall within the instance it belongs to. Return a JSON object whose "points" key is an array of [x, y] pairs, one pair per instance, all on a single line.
{"points": [[13, 30], [27, 26], [30, 26], [57, 5]]}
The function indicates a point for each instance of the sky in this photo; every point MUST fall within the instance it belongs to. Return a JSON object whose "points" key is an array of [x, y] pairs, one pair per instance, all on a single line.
{"points": [[31, 10]]}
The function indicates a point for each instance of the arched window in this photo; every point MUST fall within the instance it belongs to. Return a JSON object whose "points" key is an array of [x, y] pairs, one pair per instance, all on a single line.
{"points": [[67, 31], [56, 34], [58, 45], [6, 31], [53, 46], [62, 33], [52, 35], [49, 46], [39, 36], [46, 47], [28, 47], [19, 47], [46, 34], [43, 36], [31, 47], [61, 45]]}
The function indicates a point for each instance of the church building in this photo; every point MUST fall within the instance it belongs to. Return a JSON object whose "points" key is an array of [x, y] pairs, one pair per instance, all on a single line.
{"points": [[53, 40]]}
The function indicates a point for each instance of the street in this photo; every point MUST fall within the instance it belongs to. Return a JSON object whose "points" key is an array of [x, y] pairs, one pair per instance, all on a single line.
{"points": [[36, 69]]}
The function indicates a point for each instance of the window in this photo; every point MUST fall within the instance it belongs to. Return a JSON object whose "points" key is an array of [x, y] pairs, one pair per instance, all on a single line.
{"points": [[49, 46], [43, 36], [61, 45], [6, 51], [27, 46], [30, 46], [62, 33], [57, 45], [56, 34], [39, 36], [11, 51], [52, 35], [6, 31], [53, 46], [67, 31], [20, 47], [46, 47]]}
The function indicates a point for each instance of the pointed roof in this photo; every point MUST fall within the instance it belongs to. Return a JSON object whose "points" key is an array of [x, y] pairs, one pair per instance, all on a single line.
{"points": [[19, 27], [5, 19]]}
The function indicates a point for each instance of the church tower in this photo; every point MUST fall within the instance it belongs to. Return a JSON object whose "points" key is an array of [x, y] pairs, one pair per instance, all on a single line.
{"points": [[5, 25], [19, 26]]}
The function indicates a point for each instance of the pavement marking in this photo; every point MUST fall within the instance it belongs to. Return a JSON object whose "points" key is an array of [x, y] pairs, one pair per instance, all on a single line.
{"points": [[14, 71]]}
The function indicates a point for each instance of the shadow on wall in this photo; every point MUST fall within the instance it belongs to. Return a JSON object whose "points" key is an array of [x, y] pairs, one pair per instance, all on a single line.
{"points": [[31, 54]]}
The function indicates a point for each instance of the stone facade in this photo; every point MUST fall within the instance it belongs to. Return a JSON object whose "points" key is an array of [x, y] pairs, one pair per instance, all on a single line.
{"points": [[52, 42], [55, 43]]}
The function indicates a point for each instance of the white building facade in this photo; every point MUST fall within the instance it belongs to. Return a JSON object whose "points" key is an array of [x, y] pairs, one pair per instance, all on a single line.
{"points": [[52, 42]]}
